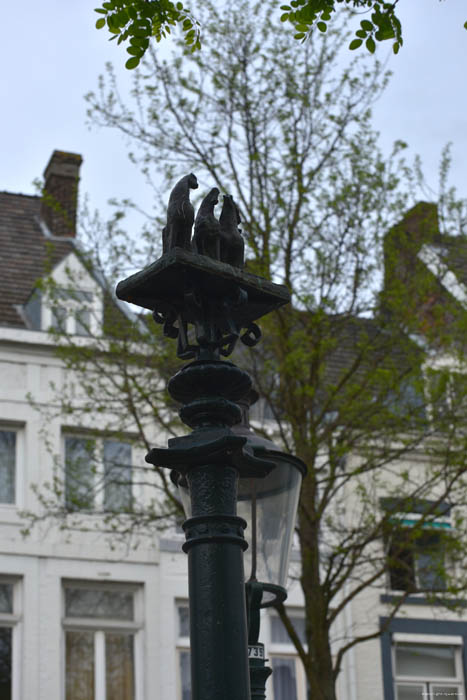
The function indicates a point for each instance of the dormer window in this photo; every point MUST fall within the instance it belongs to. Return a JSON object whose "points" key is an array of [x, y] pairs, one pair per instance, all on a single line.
{"points": [[71, 312], [74, 312], [33, 310]]}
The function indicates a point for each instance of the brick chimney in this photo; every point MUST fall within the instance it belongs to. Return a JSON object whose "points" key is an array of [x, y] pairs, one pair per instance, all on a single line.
{"points": [[60, 194]]}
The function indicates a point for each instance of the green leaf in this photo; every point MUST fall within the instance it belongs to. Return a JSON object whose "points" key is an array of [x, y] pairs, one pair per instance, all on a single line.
{"points": [[179, 6], [361, 33], [370, 44], [366, 25], [100, 11], [322, 26], [465, 25], [301, 27], [300, 35], [355, 44], [396, 47], [122, 18], [132, 63], [285, 17], [100, 23], [285, 7]]}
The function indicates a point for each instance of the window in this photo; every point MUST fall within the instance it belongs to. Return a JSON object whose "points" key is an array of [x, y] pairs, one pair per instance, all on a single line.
{"points": [[416, 551], [33, 310], [9, 619], [183, 651], [7, 466], [101, 627], [427, 670], [447, 391], [97, 474], [416, 563], [288, 678], [71, 311]]}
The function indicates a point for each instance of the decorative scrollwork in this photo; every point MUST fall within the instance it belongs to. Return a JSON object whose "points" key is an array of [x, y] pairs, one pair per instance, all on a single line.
{"points": [[166, 315], [252, 335]]}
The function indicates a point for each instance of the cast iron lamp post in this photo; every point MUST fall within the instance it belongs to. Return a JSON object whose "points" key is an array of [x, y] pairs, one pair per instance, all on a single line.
{"points": [[219, 466]]}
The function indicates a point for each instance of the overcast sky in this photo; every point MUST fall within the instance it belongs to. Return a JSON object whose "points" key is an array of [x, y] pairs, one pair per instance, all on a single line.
{"points": [[51, 55]]}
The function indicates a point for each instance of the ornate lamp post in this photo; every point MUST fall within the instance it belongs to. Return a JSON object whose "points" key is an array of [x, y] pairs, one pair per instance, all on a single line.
{"points": [[199, 283]]}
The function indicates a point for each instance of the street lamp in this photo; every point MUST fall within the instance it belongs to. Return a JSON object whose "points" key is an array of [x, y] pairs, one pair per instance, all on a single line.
{"points": [[203, 298]]}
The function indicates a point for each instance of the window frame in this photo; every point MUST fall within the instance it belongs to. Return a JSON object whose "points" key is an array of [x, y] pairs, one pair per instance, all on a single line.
{"points": [[98, 477], [285, 650], [436, 524], [275, 650], [413, 680], [99, 626], [18, 429], [13, 621], [68, 300], [182, 644], [416, 570], [417, 629]]}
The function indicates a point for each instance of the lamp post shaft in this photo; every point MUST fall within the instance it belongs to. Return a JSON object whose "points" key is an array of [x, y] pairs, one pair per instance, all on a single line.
{"points": [[259, 673], [212, 459], [218, 626]]}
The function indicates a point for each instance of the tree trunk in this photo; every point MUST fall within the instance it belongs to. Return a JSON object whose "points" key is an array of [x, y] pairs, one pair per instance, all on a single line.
{"points": [[319, 667]]}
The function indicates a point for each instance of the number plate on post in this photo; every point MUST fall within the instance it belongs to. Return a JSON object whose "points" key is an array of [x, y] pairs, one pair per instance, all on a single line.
{"points": [[256, 651]]}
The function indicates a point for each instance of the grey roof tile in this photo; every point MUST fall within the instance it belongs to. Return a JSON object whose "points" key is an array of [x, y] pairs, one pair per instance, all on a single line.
{"points": [[26, 254]]}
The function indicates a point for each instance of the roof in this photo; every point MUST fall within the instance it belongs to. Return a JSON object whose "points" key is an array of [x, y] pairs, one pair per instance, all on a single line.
{"points": [[26, 253]]}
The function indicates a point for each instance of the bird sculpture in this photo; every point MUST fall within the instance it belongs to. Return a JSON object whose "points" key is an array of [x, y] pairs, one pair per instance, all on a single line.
{"points": [[180, 215], [206, 236], [232, 246]]}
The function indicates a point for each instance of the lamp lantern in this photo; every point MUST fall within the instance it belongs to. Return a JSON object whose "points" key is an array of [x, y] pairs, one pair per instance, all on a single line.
{"points": [[269, 506]]}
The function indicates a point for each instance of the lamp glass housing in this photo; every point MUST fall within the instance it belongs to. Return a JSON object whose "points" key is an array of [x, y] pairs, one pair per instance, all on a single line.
{"points": [[269, 506]]}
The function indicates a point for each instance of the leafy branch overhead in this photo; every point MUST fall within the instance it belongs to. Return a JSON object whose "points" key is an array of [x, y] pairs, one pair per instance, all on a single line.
{"points": [[380, 21], [140, 20]]}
